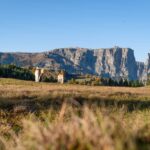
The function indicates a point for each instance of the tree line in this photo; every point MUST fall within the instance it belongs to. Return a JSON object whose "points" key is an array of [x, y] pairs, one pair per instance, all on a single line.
{"points": [[96, 81], [122, 82], [12, 71]]}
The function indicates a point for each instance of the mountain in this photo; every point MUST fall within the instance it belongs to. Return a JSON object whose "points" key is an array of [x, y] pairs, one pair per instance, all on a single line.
{"points": [[148, 63], [144, 69], [112, 62]]}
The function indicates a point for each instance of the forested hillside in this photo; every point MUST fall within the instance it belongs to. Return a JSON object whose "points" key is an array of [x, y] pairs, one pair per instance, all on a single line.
{"points": [[12, 71]]}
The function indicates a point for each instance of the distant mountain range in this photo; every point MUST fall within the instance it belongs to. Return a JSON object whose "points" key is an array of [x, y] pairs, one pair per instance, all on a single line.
{"points": [[112, 62]]}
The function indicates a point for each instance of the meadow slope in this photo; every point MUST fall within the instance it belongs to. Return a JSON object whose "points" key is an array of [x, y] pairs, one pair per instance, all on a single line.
{"points": [[54, 116]]}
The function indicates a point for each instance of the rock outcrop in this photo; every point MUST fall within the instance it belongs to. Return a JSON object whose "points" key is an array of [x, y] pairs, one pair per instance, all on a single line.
{"points": [[142, 71], [148, 63], [113, 62]]}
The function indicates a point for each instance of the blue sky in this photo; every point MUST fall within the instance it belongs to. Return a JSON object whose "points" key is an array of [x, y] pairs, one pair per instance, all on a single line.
{"points": [[39, 25]]}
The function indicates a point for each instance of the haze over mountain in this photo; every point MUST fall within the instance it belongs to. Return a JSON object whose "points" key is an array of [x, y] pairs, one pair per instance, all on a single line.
{"points": [[112, 62]]}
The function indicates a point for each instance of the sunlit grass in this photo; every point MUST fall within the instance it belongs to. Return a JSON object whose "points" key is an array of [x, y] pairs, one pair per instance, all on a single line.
{"points": [[53, 116]]}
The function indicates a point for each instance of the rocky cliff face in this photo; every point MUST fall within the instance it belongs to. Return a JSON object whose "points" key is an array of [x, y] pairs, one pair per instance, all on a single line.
{"points": [[114, 62], [142, 71], [148, 64]]}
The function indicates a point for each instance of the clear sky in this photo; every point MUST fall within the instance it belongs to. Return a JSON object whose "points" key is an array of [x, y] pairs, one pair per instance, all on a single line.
{"points": [[39, 25]]}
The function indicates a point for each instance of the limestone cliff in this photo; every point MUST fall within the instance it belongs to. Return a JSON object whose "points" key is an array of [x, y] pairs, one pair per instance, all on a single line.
{"points": [[112, 62]]}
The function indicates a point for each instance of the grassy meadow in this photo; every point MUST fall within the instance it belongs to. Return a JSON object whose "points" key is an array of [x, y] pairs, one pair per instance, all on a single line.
{"points": [[39, 116]]}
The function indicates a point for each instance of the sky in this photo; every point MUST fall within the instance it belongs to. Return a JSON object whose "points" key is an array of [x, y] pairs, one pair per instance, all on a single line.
{"points": [[41, 25]]}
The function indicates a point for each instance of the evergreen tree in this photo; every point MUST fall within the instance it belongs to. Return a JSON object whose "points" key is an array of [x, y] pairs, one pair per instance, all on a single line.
{"points": [[126, 83], [121, 82], [12, 71]]}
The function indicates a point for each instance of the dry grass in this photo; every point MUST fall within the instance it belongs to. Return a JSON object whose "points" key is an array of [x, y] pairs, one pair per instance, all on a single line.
{"points": [[53, 116], [16, 89], [91, 131]]}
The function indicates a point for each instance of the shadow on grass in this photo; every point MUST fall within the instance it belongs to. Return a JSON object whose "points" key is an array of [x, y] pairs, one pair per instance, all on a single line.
{"points": [[33, 105], [26, 105]]}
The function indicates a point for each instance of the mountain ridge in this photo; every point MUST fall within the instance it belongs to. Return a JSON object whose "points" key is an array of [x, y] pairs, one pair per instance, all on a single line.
{"points": [[108, 62]]}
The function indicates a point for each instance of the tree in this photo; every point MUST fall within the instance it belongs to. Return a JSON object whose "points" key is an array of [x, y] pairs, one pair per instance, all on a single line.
{"points": [[126, 83], [12, 71], [121, 83]]}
